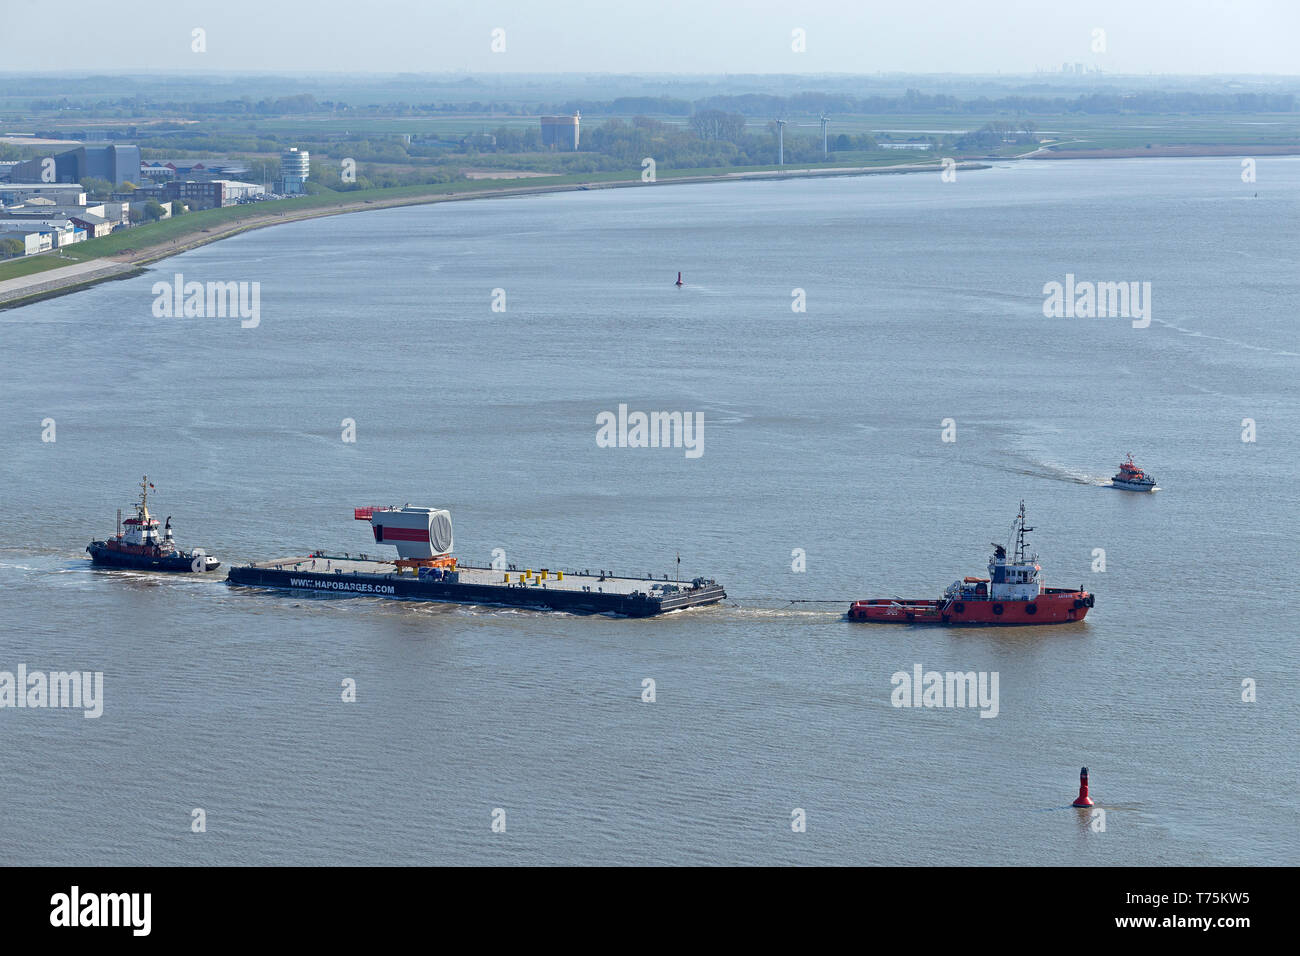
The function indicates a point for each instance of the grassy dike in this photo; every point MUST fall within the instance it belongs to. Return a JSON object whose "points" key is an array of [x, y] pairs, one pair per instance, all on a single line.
{"points": [[141, 244]]}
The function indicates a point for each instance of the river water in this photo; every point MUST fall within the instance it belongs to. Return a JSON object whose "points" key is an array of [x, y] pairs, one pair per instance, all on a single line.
{"points": [[823, 449]]}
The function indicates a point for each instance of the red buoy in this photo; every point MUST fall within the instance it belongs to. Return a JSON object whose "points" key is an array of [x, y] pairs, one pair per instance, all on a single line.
{"points": [[1082, 799]]}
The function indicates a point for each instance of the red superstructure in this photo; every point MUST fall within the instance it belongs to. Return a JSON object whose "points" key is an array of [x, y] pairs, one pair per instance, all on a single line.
{"points": [[1132, 478], [1011, 594], [141, 536]]}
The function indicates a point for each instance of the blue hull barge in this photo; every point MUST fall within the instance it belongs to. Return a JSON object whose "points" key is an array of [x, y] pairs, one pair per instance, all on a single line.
{"points": [[425, 571]]}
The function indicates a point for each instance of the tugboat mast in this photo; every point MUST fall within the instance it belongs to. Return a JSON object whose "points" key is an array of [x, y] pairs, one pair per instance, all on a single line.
{"points": [[1019, 528], [1020, 534]]}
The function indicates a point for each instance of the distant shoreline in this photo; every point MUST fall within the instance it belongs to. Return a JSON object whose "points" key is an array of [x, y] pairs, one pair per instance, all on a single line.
{"points": [[61, 280], [1169, 151], [23, 290]]}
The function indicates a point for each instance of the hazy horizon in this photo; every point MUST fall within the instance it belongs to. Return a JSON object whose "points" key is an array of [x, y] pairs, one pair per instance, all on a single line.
{"points": [[630, 74], [1008, 37]]}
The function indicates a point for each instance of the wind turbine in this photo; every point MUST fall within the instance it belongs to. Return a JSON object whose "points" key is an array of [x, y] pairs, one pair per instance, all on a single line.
{"points": [[825, 152], [780, 142]]}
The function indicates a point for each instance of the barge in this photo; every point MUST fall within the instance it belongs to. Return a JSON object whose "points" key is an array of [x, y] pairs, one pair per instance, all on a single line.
{"points": [[425, 570]]}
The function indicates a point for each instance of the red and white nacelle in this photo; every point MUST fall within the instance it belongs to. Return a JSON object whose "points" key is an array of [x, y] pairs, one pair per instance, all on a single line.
{"points": [[415, 532]]}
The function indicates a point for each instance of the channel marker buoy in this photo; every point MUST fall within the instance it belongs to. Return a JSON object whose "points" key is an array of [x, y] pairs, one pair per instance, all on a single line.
{"points": [[1082, 799]]}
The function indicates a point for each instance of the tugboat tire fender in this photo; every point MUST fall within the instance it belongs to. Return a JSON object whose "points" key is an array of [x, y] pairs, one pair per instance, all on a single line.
{"points": [[1092, 600], [997, 609], [1031, 608], [958, 607]]}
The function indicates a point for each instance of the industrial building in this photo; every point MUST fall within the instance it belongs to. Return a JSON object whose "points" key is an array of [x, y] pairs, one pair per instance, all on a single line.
{"points": [[561, 132], [95, 226], [63, 194], [140, 194], [57, 232], [33, 241], [211, 195], [47, 216], [234, 191], [117, 164], [198, 170]]}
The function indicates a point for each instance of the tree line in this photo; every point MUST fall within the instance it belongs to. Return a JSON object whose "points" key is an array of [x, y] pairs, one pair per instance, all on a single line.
{"points": [[748, 104]]}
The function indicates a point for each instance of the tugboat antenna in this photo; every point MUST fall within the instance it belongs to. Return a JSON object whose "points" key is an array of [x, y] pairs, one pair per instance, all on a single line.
{"points": [[1021, 528]]}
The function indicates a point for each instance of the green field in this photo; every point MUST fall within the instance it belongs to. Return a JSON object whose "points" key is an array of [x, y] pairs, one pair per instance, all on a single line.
{"points": [[1106, 130], [30, 265]]}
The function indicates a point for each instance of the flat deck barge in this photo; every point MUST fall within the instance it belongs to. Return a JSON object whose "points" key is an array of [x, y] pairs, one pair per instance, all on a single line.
{"points": [[583, 593]]}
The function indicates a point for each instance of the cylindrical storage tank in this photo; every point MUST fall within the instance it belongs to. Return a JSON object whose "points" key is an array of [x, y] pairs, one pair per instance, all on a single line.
{"points": [[415, 532]]}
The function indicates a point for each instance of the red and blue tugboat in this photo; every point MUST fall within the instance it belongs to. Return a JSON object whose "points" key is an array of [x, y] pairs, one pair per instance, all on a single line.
{"points": [[1011, 594], [143, 547]]}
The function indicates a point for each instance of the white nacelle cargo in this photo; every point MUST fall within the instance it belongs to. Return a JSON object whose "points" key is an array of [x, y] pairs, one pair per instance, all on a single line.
{"points": [[415, 532]]}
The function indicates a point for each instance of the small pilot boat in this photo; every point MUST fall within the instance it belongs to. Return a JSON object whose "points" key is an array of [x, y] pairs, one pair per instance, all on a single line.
{"points": [[1133, 478]]}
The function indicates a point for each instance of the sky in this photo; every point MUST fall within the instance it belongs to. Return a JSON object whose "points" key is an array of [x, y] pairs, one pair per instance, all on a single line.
{"points": [[654, 36]]}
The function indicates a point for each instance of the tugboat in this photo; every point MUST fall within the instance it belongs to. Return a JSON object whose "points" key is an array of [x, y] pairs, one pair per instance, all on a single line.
{"points": [[143, 548], [1011, 594], [1133, 478]]}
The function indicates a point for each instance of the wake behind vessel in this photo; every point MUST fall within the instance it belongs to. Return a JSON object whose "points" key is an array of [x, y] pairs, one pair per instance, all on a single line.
{"points": [[141, 546], [425, 570], [1012, 594]]}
